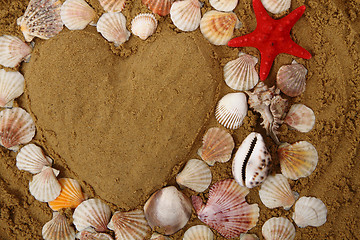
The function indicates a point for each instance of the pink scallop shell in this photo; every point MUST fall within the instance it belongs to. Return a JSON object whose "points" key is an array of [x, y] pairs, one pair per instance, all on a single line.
{"points": [[161, 7]]}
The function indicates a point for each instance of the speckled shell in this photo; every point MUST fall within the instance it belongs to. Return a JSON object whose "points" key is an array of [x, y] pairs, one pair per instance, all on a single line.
{"points": [[278, 229], [291, 79], [58, 228], [252, 161], [309, 211], [196, 175], [143, 25], [44, 185], [11, 86], [157, 236], [248, 236], [276, 6], [186, 15], [224, 5], [161, 7], [112, 5], [90, 234], [76, 14], [300, 117], [13, 51], [198, 232], [32, 159], [112, 27]]}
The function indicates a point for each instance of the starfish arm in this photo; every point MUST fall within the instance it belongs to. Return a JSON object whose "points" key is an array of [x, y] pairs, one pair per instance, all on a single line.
{"points": [[260, 12], [243, 41], [267, 60], [296, 50], [290, 20]]}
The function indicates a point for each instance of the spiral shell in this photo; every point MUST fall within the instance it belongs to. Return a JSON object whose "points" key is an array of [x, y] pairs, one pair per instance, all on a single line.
{"points": [[278, 229], [186, 15], [143, 25], [58, 228], [291, 79], [309, 211], [76, 14], [11, 86], [196, 175], [112, 27], [13, 51]]}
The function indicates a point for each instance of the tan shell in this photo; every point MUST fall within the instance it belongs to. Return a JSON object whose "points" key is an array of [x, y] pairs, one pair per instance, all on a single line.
{"points": [[143, 25], [300, 117], [196, 175], [161, 7], [309, 211], [157, 236], [198, 232], [112, 5], [58, 228], [11, 86], [13, 51], [44, 185], [278, 229], [76, 14], [224, 5], [291, 79], [276, 6], [186, 15], [90, 234], [112, 27], [248, 236], [31, 158]]}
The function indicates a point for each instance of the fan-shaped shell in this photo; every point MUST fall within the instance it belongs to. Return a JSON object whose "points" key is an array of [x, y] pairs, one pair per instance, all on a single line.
{"points": [[248, 236], [224, 5], [112, 27], [76, 14], [198, 232], [276, 6], [143, 25], [196, 175], [231, 110], [90, 234], [11, 87], [44, 185], [240, 74], [13, 51], [58, 228], [112, 5], [298, 159], [157, 236], [278, 229], [186, 15], [32, 159], [309, 211], [291, 79], [161, 7], [300, 117]]}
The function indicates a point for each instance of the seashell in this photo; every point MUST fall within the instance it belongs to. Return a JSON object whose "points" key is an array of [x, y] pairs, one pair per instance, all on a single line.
{"points": [[231, 110], [144, 25], [240, 74], [129, 225], [157, 236], [70, 196], [13, 51], [291, 79], [224, 5], [278, 229], [11, 86], [76, 14], [252, 161], [32, 159], [198, 232], [112, 5], [227, 210], [309, 211], [44, 185], [300, 117], [91, 234], [112, 27], [168, 210], [276, 192], [298, 159], [217, 146], [41, 19], [186, 15], [161, 7], [248, 236], [276, 6], [16, 127], [58, 228], [92, 213], [218, 27], [196, 175]]}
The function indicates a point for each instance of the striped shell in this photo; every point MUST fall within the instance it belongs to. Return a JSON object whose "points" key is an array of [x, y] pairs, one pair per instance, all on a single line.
{"points": [[44, 185], [300, 117], [186, 15], [161, 7], [144, 25], [11, 86], [196, 175], [32, 159], [291, 79], [224, 5], [112, 27], [58, 228], [276, 6], [13, 51], [76, 14], [90, 234], [157, 236], [309, 211], [278, 229], [198, 232], [112, 5]]}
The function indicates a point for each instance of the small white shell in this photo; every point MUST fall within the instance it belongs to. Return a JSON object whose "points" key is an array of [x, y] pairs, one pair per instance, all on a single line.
{"points": [[196, 175], [278, 229], [11, 86], [276, 6], [144, 25], [248, 236], [198, 232], [76, 14], [44, 185], [157, 236], [58, 228], [112, 5], [32, 159], [161, 7], [224, 5], [13, 51], [291, 79], [309, 211], [90, 234], [300, 117], [112, 27], [231, 110], [186, 15]]}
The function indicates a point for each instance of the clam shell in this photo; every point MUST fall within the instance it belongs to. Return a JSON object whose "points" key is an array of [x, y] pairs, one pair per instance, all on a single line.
{"points": [[278, 229], [92, 213], [231, 110], [11, 87], [161, 7], [41, 19], [112, 27], [13, 51], [224, 5], [291, 79], [248, 236], [217, 146], [276, 6], [168, 210], [157, 236], [58, 228], [76, 14], [44, 185], [198, 232], [251, 164], [196, 175], [300, 117], [227, 210], [112, 5], [32, 159], [298, 159], [91, 234], [309, 211], [240, 74], [143, 25], [186, 15]]}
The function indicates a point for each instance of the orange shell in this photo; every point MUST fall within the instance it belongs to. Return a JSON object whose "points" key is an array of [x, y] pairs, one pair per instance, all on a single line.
{"points": [[161, 7]]}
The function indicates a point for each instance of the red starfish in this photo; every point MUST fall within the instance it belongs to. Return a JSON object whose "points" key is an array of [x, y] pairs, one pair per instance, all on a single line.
{"points": [[271, 37]]}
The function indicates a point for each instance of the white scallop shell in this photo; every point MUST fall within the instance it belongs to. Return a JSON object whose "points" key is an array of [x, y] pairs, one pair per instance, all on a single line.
{"points": [[11, 86], [224, 5], [13, 51], [58, 228], [44, 185], [309, 211], [90, 234], [198, 232], [112, 5], [276, 6], [291, 79], [32, 159], [248, 236], [196, 175], [112, 27], [186, 15], [240, 74], [300, 117], [278, 229], [144, 25], [231, 110], [76, 14]]}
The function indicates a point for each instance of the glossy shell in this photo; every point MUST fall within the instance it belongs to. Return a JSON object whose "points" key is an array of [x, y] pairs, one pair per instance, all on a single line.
{"points": [[76, 14], [300, 117], [11, 87], [309, 211], [44, 185], [186, 15], [112, 27], [31, 158], [13, 51], [198, 232], [58, 228], [276, 6], [278, 229], [291, 79], [196, 175], [161, 7], [143, 25]]}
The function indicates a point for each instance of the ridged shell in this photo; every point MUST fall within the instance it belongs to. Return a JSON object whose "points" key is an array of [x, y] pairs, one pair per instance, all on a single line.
{"points": [[224, 5], [161, 7], [44, 185], [32, 159], [16, 127], [276, 192], [11, 86], [300, 117], [76, 14], [186, 15], [291, 79], [217, 146], [196, 175], [91, 234], [112, 27], [278, 229], [157, 236], [227, 210], [144, 25], [240, 74], [276, 6], [13, 51], [198, 232], [41, 19], [298, 159], [58, 228], [231, 110], [112, 5], [92, 213], [248, 236], [309, 211]]}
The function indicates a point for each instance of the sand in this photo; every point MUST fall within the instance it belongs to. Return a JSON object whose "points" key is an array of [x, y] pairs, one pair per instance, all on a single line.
{"points": [[123, 121]]}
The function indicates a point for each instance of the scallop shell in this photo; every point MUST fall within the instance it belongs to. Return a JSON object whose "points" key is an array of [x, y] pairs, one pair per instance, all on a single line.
{"points": [[278, 229], [76, 14], [92, 213], [217, 146], [298, 159], [309, 211], [13, 51], [143, 25], [240, 74], [58, 228], [112, 5], [198, 232], [218, 27], [16, 127], [186, 15], [252, 161], [196, 175], [231, 110], [168, 210], [224, 5], [32, 159], [129, 225], [248, 236], [112, 27], [276, 6], [41, 19], [44, 185], [161, 7], [157, 236], [300, 117], [11, 86], [227, 210], [291, 79], [91, 234]]}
